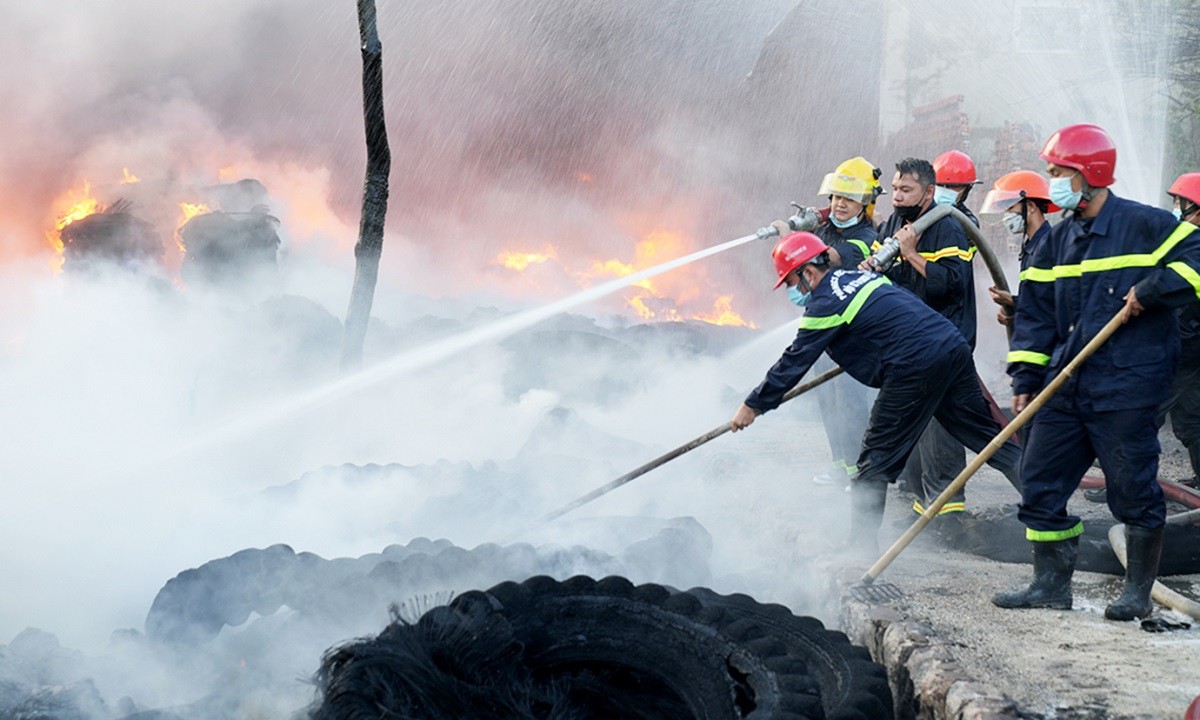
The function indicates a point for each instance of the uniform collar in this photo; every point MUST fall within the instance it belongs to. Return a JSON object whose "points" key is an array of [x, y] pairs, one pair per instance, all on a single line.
{"points": [[1100, 223]]}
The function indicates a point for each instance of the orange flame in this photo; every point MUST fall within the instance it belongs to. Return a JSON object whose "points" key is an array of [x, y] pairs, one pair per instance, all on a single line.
{"points": [[723, 314], [189, 210], [128, 177], [520, 260], [72, 206]]}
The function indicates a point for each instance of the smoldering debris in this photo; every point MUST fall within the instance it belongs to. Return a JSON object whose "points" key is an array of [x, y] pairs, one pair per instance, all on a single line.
{"points": [[229, 247], [112, 237], [241, 629]]}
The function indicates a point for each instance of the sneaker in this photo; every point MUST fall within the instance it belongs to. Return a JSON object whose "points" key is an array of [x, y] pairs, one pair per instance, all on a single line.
{"points": [[1099, 495]]}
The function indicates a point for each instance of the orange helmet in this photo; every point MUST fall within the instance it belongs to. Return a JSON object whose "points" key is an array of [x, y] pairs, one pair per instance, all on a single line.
{"points": [[794, 251], [1186, 187], [1086, 148], [954, 168], [1014, 187]]}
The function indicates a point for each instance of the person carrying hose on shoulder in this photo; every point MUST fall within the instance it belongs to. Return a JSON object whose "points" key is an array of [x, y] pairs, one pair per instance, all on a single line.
{"points": [[1108, 256], [848, 232], [886, 338], [1022, 198], [955, 175], [936, 267]]}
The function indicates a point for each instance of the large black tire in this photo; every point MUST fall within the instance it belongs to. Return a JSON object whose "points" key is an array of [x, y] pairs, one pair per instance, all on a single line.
{"points": [[853, 686], [602, 649]]}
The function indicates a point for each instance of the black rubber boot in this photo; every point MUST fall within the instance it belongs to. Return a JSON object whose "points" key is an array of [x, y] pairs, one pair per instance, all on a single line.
{"points": [[867, 499], [1053, 565], [1142, 549], [1194, 456], [1099, 495]]}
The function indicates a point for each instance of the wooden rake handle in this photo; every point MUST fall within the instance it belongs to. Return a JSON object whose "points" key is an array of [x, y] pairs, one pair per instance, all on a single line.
{"points": [[1003, 436], [682, 449]]}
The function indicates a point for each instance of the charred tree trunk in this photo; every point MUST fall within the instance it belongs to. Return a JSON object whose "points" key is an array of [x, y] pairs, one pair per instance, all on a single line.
{"points": [[375, 191]]}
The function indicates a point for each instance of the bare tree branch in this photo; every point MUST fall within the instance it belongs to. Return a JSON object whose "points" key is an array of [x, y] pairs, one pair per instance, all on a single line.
{"points": [[369, 247]]}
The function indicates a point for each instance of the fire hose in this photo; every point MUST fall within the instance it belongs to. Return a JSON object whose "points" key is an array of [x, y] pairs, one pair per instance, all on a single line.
{"points": [[1159, 592]]}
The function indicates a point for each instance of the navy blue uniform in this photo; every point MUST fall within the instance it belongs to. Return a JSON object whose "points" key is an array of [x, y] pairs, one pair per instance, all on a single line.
{"points": [[948, 286], [888, 339], [1075, 284], [845, 403]]}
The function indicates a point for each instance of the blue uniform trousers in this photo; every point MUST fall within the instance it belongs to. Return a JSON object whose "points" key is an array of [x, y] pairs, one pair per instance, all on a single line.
{"points": [[1063, 443]]}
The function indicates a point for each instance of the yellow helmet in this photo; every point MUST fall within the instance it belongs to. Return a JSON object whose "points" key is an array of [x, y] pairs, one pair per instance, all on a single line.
{"points": [[856, 179]]}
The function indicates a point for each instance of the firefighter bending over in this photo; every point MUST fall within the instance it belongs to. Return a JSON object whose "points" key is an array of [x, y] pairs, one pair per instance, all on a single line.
{"points": [[884, 337]]}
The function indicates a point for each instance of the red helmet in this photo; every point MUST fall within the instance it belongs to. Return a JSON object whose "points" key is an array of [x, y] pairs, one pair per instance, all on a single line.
{"points": [[794, 250], [1088, 149], [1187, 187], [1014, 187], [954, 168]]}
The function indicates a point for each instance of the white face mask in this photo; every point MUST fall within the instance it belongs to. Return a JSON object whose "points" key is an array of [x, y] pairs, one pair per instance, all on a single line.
{"points": [[1015, 223], [944, 196]]}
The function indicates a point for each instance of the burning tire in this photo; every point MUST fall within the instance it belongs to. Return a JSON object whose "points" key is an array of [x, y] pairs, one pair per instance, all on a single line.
{"points": [[599, 649]]}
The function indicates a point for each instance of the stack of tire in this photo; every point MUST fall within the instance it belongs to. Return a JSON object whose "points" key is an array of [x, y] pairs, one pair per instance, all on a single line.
{"points": [[583, 648]]}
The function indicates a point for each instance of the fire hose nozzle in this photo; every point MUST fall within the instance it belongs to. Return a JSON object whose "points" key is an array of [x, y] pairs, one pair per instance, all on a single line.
{"points": [[806, 218], [883, 258], [765, 232]]}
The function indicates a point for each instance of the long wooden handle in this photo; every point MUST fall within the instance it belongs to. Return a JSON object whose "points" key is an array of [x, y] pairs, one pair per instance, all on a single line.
{"points": [[996, 443], [685, 448]]}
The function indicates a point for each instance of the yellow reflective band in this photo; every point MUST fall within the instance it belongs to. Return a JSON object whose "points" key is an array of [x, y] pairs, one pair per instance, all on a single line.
{"points": [[1053, 535], [861, 246], [952, 507], [950, 252], [830, 321], [1027, 356], [1036, 274], [1187, 273], [1115, 262]]}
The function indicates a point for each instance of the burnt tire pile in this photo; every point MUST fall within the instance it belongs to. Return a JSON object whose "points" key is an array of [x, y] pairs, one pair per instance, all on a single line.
{"points": [[583, 648]]}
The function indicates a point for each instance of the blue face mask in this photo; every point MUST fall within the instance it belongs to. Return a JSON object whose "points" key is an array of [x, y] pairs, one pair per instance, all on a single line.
{"points": [[1177, 213], [799, 299], [944, 196], [1062, 195], [843, 224]]}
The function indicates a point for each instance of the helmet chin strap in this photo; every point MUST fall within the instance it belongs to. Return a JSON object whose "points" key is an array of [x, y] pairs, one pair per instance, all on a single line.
{"points": [[803, 280]]}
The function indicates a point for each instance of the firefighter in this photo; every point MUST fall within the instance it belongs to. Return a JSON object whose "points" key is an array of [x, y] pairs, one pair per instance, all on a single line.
{"points": [[848, 232], [1183, 400], [1108, 255], [937, 268], [1022, 197], [955, 175], [885, 338]]}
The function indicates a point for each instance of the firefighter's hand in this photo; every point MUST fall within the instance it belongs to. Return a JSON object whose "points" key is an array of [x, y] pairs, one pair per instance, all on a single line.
{"points": [[1132, 307], [908, 240], [782, 228], [1020, 402], [1004, 317], [1002, 298], [743, 417]]}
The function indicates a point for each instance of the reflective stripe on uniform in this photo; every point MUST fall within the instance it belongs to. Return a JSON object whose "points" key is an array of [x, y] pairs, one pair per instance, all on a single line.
{"points": [[1028, 356], [1115, 262], [950, 507], [861, 246], [1053, 535], [950, 252], [830, 321], [1187, 273]]}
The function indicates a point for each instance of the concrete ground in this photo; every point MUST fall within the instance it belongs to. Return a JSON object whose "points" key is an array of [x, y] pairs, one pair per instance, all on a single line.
{"points": [[961, 656]]}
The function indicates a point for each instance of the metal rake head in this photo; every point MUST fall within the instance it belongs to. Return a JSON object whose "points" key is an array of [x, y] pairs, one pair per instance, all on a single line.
{"points": [[876, 592]]}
